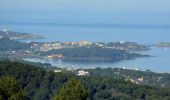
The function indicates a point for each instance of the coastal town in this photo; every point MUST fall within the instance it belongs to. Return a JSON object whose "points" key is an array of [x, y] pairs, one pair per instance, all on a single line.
{"points": [[84, 50], [17, 49], [23, 50], [122, 45]]}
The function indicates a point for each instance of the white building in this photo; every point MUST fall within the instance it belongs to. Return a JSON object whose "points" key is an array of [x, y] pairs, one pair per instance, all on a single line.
{"points": [[82, 73], [58, 71]]}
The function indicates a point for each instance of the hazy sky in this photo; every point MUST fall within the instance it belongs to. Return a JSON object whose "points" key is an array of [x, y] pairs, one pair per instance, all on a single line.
{"points": [[149, 7]]}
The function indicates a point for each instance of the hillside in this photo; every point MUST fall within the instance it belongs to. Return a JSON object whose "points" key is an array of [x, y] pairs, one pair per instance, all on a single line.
{"points": [[92, 53], [136, 76], [41, 84], [7, 44]]}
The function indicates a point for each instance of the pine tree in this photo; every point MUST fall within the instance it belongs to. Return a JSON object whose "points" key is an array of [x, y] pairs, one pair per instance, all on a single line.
{"points": [[72, 90], [9, 89]]}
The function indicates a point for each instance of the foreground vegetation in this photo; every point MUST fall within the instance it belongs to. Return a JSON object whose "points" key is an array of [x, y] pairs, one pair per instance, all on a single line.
{"points": [[39, 84], [139, 77]]}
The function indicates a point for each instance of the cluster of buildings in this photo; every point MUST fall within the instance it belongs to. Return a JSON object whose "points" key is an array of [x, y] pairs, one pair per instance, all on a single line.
{"points": [[127, 46], [56, 56], [135, 81], [50, 46], [60, 45], [82, 73], [78, 72], [81, 43]]}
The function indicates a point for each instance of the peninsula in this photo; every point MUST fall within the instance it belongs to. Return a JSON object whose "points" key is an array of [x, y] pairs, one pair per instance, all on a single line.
{"points": [[18, 35]]}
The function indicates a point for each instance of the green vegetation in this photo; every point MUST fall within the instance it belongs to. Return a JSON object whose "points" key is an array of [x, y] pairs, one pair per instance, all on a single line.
{"points": [[93, 53], [149, 78], [41, 84], [72, 90], [38, 83], [10, 90]]}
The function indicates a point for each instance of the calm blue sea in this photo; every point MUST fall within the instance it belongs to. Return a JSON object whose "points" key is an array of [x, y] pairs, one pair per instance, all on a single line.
{"points": [[100, 27], [92, 27]]}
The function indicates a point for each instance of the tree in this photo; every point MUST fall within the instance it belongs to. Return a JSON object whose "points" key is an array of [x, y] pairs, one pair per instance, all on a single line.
{"points": [[72, 90], [9, 89]]}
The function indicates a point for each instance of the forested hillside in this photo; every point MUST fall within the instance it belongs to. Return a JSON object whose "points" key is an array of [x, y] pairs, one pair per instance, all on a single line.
{"points": [[40, 84], [93, 53]]}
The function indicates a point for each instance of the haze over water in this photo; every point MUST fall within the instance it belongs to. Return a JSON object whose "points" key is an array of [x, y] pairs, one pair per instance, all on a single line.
{"points": [[145, 22], [74, 20]]}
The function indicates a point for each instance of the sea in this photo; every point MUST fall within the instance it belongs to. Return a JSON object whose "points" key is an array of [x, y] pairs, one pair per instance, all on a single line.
{"points": [[143, 29]]}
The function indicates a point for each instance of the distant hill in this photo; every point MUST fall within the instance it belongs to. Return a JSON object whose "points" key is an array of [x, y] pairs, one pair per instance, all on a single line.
{"points": [[7, 44], [92, 53], [17, 35]]}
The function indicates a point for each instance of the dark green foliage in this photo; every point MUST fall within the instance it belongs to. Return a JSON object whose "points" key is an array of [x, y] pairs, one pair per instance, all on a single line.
{"points": [[72, 90], [10, 90], [149, 78], [37, 82], [105, 88], [92, 53], [41, 84]]}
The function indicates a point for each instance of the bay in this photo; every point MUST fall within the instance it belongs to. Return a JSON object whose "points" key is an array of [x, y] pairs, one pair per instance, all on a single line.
{"points": [[146, 30], [158, 63]]}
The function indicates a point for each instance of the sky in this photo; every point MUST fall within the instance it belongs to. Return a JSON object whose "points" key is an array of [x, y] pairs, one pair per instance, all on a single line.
{"points": [[133, 7]]}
